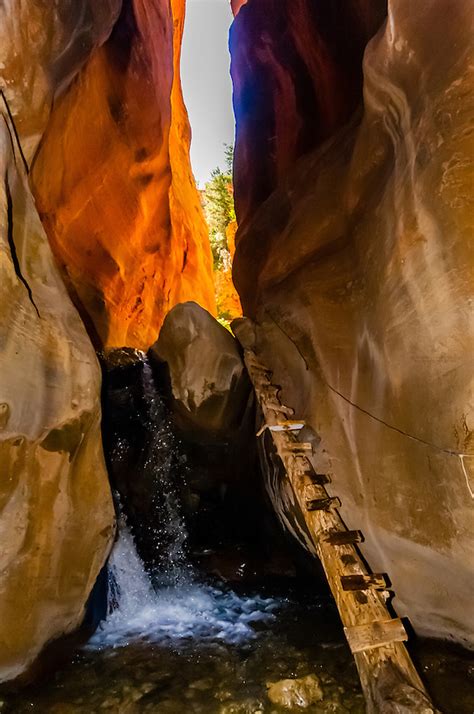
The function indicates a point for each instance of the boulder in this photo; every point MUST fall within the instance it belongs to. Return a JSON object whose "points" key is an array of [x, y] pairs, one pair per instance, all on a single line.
{"points": [[295, 693], [213, 417], [209, 383], [56, 513]]}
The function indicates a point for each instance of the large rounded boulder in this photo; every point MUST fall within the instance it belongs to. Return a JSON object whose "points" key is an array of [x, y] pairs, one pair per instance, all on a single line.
{"points": [[212, 411], [209, 383]]}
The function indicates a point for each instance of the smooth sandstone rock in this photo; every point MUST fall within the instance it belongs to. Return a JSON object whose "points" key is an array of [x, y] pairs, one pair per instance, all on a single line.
{"points": [[358, 269], [208, 378], [199, 366], [295, 693], [114, 186], [304, 83], [42, 46], [56, 515], [227, 297]]}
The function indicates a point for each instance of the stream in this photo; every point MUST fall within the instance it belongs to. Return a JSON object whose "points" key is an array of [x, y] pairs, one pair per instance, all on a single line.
{"points": [[178, 640], [196, 645]]}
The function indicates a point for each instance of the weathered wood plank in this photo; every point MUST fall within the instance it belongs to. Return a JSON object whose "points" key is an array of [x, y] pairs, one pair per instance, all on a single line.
{"points": [[323, 504], [343, 537], [373, 581], [298, 447], [375, 634]]}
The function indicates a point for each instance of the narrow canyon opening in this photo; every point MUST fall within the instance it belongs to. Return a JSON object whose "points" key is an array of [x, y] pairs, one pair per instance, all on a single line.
{"points": [[236, 370]]}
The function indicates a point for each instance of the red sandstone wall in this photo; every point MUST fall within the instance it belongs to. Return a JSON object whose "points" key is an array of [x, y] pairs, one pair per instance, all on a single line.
{"points": [[297, 74], [114, 187], [358, 269]]}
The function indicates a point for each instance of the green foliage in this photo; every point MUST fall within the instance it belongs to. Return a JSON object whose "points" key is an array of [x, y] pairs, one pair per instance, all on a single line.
{"points": [[225, 319], [219, 209]]}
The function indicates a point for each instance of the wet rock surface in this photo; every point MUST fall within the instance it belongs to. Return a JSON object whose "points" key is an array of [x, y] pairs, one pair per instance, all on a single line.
{"points": [[295, 693], [145, 464]]}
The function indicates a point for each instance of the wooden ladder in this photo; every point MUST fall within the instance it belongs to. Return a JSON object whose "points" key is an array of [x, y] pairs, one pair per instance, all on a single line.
{"points": [[388, 676]]}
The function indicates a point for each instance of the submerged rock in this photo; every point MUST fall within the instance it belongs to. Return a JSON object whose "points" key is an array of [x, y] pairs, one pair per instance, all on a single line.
{"points": [[295, 693]]}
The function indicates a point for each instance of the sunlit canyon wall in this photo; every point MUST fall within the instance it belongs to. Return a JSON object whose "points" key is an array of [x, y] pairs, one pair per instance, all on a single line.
{"points": [[95, 133], [354, 255], [114, 187]]}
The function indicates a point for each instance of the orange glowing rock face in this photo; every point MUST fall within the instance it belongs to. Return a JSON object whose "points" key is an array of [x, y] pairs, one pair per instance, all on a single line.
{"points": [[236, 5], [228, 301], [114, 187]]}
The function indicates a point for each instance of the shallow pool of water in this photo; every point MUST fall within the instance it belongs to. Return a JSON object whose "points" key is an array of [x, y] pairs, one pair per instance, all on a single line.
{"points": [[191, 644], [175, 669], [213, 650]]}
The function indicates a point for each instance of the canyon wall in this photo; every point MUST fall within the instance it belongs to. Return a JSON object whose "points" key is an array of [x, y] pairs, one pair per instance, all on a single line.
{"points": [[56, 514], [297, 75], [353, 256], [114, 187], [42, 46], [95, 133]]}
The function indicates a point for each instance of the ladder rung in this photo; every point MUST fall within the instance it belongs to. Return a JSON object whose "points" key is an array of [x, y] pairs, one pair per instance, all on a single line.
{"points": [[375, 634], [317, 479], [343, 537], [323, 504], [297, 447], [276, 407], [287, 425], [373, 581]]}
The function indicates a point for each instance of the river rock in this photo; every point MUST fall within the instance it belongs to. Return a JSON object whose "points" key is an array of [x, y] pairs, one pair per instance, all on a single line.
{"points": [[295, 693], [56, 514]]}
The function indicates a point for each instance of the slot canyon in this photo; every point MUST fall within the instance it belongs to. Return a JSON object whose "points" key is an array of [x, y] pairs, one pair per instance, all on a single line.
{"points": [[237, 463]]}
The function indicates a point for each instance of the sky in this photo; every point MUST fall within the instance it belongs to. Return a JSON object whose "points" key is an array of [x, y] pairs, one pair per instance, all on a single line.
{"points": [[207, 87]]}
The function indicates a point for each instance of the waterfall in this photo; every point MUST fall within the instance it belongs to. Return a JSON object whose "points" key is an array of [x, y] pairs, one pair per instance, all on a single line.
{"points": [[169, 536], [140, 609], [170, 604]]}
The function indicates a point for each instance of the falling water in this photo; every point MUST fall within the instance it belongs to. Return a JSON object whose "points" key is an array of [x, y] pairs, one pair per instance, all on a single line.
{"points": [[170, 604], [169, 533], [140, 609], [173, 642]]}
